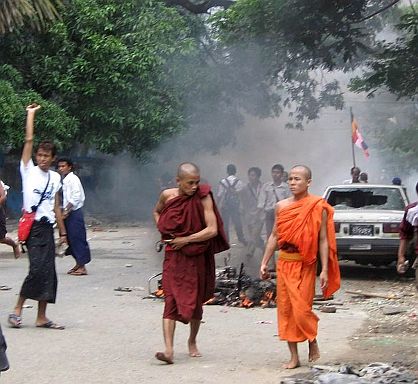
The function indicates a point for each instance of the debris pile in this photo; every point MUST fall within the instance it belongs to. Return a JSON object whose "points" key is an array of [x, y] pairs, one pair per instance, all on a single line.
{"points": [[393, 312], [374, 373], [237, 289]]}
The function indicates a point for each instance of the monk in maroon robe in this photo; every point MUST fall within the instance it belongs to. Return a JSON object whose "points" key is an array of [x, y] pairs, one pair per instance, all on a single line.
{"points": [[192, 229]]}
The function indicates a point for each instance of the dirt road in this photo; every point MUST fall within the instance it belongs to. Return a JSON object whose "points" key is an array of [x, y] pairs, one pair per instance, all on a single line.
{"points": [[111, 336]]}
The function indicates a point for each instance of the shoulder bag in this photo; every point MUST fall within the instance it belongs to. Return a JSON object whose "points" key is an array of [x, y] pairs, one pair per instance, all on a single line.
{"points": [[26, 221]]}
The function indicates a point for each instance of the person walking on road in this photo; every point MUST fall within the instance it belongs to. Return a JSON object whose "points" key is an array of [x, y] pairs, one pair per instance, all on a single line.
{"points": [[253, 217], [271, 193], [4, 239], [73, 201], [408, 231], [303, 228], [41, 189], [192, 229], [229, 202]]}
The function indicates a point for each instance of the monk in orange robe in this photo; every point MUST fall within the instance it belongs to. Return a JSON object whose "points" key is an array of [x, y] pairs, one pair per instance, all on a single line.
{"points": [[303, 228], [192, 229]]}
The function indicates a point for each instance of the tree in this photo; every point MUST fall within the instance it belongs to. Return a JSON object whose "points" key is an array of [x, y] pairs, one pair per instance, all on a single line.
{"points": [[394, 66], [200, 7], [298, 44], [37, 13], [52, 121], [135, 73], [107, 64]]}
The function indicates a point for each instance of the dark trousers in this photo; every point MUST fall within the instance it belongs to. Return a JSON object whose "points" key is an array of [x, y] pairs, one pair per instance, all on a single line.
{"points": [[234, 216], [4, 363], [41, 282], [269, 223], [76, 235]]}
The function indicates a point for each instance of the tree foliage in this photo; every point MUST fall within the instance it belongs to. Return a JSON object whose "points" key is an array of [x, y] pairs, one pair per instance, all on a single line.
{"points": [[198, 7], [394, 66], [298, 44], [106, 64], [129, 75], [14, 98]]}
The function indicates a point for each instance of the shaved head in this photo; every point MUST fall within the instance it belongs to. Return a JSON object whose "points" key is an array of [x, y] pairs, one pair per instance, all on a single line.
{"points": [[306, 170], [185, 169]]}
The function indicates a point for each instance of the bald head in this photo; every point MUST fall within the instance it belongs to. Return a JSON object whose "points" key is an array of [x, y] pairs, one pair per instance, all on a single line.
{"points": [[187, 169], [304, 169]]}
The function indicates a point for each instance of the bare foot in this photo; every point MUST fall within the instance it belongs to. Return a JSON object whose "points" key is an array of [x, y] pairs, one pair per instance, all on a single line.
{"points": [[292, 364], [193, 351], [314, 354], [165, 358]]}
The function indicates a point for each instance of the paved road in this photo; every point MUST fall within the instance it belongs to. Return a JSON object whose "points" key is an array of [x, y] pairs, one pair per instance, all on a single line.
{"points": [[111, 336]]}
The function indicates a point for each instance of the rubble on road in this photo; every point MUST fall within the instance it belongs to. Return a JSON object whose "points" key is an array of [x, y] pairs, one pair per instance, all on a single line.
{"points": [[374, 373], [390, 318], [393, 310], [328, 309], [5, 288], [370, 294]]}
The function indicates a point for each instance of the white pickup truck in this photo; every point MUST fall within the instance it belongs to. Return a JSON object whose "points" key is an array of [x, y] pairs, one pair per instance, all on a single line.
{"points": [[367, 218]]}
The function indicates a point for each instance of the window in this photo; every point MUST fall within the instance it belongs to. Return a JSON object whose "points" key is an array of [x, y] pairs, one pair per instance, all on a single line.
{"points": [[366, 198]]}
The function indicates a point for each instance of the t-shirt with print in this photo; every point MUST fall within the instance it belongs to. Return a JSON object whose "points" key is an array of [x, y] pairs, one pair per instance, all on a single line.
{"points": [[34, 181]]}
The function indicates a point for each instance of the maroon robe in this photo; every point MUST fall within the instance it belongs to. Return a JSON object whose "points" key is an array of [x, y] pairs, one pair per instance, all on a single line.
{"points": [[189, 273]]}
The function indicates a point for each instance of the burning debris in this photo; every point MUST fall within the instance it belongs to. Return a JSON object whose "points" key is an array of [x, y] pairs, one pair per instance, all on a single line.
{"points": [[232, 288], [237, 289], [157, 292]]}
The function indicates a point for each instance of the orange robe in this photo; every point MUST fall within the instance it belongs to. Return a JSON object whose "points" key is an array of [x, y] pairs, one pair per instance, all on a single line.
{"points": [[299, 225]]}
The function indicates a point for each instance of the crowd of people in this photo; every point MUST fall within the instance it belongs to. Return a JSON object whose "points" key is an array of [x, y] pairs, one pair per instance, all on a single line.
{"points": [[250, 206], [194, 225]]}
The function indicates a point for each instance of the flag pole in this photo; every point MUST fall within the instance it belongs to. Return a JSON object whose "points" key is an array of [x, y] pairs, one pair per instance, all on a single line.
{"points": [[352, 143]]}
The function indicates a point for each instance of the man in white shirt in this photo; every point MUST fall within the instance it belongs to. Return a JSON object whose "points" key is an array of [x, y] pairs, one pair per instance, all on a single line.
{"points": [[4, 239], [271, 193], [229, 202], [41, 188], [73, 201]]}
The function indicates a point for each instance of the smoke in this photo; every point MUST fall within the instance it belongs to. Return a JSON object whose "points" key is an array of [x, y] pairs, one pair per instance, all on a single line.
{"points": [[128, 190], [221, 131]]}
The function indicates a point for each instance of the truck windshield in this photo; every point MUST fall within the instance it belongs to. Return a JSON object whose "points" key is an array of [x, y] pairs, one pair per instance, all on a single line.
{"points": [[366, 198]]}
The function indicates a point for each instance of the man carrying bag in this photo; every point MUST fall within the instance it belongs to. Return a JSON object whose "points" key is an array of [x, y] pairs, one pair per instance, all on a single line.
{"points": [[40, 186]]}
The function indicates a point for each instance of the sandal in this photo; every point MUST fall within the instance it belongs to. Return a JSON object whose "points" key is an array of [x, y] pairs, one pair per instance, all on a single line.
{"points": [[73, 269], [51, 325], [78, 273], [14, 320]]}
